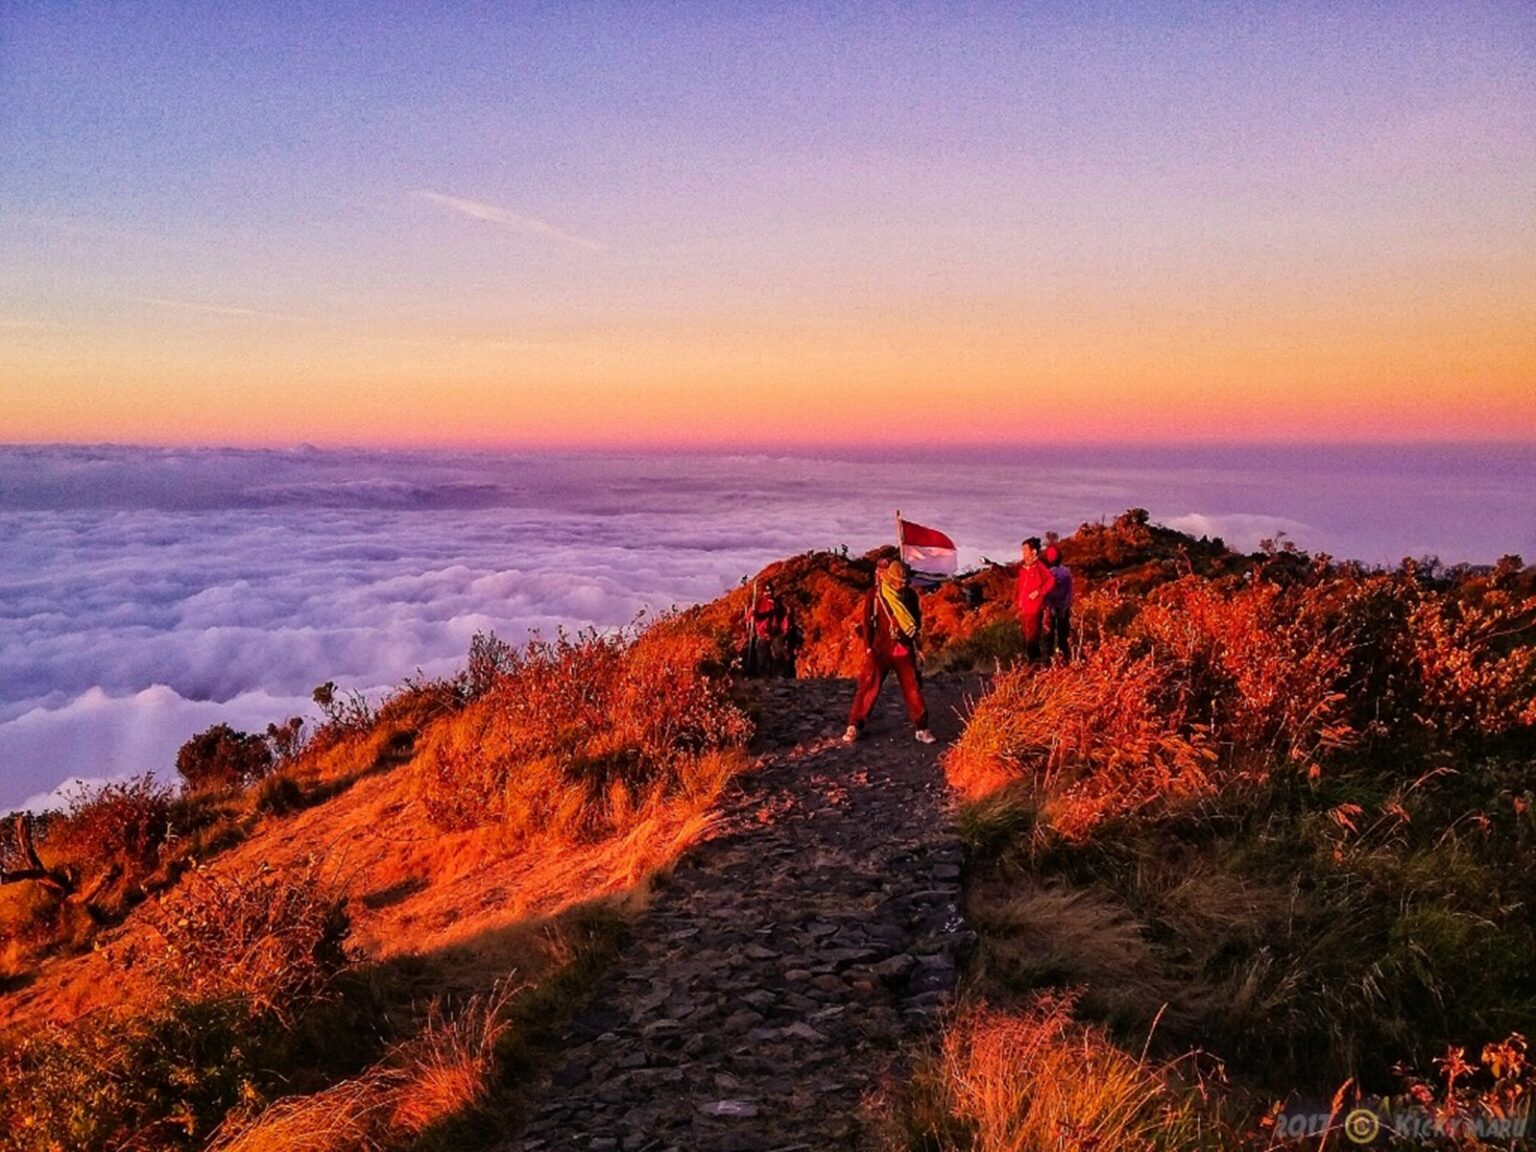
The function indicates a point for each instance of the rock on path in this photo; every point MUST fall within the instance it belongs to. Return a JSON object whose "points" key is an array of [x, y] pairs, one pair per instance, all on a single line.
{"points": [[790, 960]]}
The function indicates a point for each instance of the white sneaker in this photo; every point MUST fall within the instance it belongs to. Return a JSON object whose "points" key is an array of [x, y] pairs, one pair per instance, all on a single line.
{"points": [[851, 734], [925, 737]]}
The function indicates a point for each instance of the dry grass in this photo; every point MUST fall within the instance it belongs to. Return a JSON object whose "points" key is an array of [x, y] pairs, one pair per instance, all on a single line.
{"points": [[581, 738], [1047, 934], [1036, 1080], [449, 1064], [1092, 741], [442, 1074], [274, 939]]}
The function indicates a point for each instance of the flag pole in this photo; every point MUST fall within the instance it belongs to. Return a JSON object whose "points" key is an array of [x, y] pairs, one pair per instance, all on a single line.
{"points": [[899, 556]]}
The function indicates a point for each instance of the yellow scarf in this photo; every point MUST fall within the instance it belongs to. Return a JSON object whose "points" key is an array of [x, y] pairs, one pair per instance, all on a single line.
{"points": [[890, 593]]}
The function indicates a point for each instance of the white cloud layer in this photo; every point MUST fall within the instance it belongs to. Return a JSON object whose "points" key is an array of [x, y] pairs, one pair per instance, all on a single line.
{"points": [[148, 593]]}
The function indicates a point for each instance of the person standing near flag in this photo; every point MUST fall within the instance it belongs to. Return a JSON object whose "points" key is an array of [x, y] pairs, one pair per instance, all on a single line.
{"points": [[1035, 584], [1058, 605], [890, 622]]}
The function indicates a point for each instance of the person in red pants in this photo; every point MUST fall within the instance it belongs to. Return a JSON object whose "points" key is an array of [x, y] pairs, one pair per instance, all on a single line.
{"points": [[889, 624], [1035, 584]]}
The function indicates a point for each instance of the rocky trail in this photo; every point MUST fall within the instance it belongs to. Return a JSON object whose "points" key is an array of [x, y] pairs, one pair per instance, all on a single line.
{"points": [[784, 968]]}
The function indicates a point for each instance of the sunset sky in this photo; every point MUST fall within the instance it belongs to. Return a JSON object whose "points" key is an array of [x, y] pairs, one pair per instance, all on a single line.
{"points": [[704, 225]]}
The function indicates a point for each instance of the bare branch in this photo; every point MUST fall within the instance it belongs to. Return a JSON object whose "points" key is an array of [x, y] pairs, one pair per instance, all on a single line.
{"points": [[51, 878]]}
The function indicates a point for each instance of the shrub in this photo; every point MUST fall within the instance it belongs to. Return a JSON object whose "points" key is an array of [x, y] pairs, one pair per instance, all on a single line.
{"points": [[1257, 665], [1102, 738], [576, 729], [157, 1079], [491, 659], [222, 758], [347, 714], [286, 740], [125, 823], [1475, 682], [274, 941]]}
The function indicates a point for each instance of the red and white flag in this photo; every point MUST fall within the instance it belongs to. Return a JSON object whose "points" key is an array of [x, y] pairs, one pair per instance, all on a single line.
{"points": [[926, 551]]}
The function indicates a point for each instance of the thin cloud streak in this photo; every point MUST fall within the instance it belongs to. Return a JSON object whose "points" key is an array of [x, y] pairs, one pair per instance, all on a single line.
{"points": [[494, 215], [221, 310]]}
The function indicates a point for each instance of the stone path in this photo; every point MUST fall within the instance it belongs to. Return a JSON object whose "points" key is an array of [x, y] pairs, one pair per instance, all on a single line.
{"points": [[788, 963]]}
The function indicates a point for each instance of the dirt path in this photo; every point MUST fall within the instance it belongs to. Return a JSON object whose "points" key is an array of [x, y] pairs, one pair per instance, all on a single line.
{"points": [[787, 963]]}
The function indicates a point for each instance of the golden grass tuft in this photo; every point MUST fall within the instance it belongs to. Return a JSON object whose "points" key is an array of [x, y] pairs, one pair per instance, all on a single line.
{"points": [[1036, 1080], [448, 1067], [442, 1074], [1092, 740], [352, 1116]]}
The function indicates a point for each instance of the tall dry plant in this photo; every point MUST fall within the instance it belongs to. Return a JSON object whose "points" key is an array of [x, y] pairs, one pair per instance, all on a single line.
{"points": [[1090, 741], [1260, 666], [579, 734], [443, 1074], [274, 940], [1036, 1080]]}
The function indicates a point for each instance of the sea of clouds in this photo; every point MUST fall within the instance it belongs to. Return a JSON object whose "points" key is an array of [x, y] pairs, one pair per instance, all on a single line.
{"points": [[148, 593]]}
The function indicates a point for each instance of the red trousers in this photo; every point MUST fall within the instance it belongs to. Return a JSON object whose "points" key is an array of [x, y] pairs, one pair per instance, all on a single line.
{"points": [[872, 676], [1031, 622]]}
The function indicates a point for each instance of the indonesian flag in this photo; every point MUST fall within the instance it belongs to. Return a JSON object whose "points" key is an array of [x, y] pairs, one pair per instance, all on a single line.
{"points": [[926, 551]]}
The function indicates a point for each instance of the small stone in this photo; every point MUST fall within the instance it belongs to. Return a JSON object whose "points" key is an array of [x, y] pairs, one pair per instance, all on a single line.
{"points": [[741, 1021], [896, 969], [742, 1108], [570, 1076], [800, 1030]]}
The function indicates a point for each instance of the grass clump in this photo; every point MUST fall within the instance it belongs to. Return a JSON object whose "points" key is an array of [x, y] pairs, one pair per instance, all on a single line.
{"points": [[274, 941], [1035, 1079], [576, 737]]}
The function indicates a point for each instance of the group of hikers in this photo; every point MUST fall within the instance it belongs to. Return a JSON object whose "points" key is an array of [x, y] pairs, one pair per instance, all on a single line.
{"points": [[891, 620], [772, 635], [889, 627]]}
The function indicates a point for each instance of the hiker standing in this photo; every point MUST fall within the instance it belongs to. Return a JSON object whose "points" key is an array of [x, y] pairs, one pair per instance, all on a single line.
{"points": [[1058, 604], [890, 621], [1035, 583]]}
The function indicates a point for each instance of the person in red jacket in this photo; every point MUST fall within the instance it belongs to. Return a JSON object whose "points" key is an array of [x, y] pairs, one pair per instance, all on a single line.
{"points": [[890, 621], [771, 625], [1035, 583]]}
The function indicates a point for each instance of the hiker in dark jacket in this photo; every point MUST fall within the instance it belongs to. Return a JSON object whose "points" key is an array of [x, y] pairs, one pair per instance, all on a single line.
{"points": [[1058, 605], [890, 621]]}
